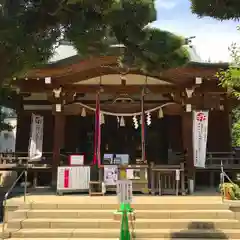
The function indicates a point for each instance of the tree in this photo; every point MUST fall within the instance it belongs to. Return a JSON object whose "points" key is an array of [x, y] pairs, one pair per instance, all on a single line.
{"points": [[219, 9], [30, 30], [6, 108], [236, 126], [230, 77]]}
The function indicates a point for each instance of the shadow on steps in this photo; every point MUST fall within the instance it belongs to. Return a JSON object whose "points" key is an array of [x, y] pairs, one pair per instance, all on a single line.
{"points": [[200, 230]]}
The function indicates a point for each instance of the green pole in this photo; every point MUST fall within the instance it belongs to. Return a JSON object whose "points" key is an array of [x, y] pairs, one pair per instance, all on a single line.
{"points": [[124, 232], [125, 207]]}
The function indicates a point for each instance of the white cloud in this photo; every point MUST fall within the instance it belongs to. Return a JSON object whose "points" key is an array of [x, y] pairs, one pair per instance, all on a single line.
{"points": [[166, 4], [212, 40]]}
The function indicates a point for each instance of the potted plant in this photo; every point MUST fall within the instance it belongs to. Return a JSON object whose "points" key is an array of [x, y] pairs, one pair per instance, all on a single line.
{"points": [[230, 191]]}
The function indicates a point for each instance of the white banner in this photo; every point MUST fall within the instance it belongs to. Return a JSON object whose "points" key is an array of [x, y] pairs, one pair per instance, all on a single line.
{"points": [[36, 138], [124, 191], [200, 132]]}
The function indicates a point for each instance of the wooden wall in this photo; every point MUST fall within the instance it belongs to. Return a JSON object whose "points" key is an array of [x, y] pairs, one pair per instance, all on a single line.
{"points": [[218, 132]]}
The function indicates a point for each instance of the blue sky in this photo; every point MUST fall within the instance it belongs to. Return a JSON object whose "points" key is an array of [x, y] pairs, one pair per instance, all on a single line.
{"points": [[212, 36]]}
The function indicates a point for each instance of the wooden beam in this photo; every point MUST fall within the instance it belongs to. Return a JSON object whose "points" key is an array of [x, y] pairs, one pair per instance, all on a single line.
{"points": [[41, 87]]}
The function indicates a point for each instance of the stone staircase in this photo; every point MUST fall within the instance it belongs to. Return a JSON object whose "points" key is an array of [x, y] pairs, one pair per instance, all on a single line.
{"points": [[96, 221]]}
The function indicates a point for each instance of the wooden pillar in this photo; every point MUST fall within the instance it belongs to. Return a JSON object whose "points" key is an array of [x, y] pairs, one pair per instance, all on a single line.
{"points": [[59, 132], [187, 135]]}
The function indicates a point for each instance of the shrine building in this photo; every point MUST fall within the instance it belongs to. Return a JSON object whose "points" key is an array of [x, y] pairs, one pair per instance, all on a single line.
{"points": [[64, 93]]}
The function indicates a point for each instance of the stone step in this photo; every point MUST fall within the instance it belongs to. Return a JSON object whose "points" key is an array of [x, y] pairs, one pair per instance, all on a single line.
{"points": [[118, 238], [161, 206], [138, 224], [104, 214], [114, 233]]}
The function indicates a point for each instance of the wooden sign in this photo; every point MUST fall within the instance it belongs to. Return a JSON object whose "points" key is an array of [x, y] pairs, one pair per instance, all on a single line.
{"points": [[76, 160]]}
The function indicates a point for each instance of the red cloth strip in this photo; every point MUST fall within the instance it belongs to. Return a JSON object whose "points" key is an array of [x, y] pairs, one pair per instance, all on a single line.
{"points": [[66, 178], [143, 128]]}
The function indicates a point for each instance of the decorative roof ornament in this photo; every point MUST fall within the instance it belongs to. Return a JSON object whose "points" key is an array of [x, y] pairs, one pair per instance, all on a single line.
{"points": [[122, 122], [58, 107], [188, 107], [57, 92], [189, 92], [83, 113], [198, 80], [102, 118], [48, 80], [160, 113], [123, 98], [221, 107]]}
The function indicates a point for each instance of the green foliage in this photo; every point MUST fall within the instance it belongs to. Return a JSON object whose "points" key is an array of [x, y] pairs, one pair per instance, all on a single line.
{"points": [[30, 30], [219, 9], [236, 126], [233, 189], [230, 79], [6, 101], [25, 38]]}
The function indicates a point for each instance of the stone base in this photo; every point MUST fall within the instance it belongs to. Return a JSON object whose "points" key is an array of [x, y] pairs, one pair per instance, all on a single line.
{"points": [[117, 216]]}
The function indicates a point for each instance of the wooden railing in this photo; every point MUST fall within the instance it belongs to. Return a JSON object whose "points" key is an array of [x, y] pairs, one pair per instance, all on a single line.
{"points": [[168, 179], [228, 159], [19, 160], [162, 178], [140, 183]]}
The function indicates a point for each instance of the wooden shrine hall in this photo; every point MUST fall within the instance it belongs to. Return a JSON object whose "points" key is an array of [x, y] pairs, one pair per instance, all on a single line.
{"points": [[64, 93]]}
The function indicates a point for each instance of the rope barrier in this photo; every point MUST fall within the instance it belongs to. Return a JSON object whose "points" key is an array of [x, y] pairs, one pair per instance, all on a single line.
{"points": [[126, 114]]}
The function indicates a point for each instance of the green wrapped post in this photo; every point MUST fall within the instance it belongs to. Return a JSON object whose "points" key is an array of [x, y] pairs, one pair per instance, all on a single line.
{"points": [[125, 207], [124, 232]]}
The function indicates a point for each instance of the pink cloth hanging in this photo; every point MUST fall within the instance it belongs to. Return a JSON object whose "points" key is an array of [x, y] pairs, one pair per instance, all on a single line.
{"points": [[99, 134], [143, 128]]}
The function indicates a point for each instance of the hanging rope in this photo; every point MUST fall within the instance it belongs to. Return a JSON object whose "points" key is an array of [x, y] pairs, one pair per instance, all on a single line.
{"points": [[126, 114]]}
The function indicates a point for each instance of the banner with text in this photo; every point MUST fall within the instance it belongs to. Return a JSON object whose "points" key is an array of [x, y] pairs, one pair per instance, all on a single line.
{"points": [[110, 175], [36, 138], [200, 132]]}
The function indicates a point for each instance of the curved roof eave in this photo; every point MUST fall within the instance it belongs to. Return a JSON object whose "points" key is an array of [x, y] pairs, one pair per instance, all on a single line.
{"points": [[77, 58]]}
